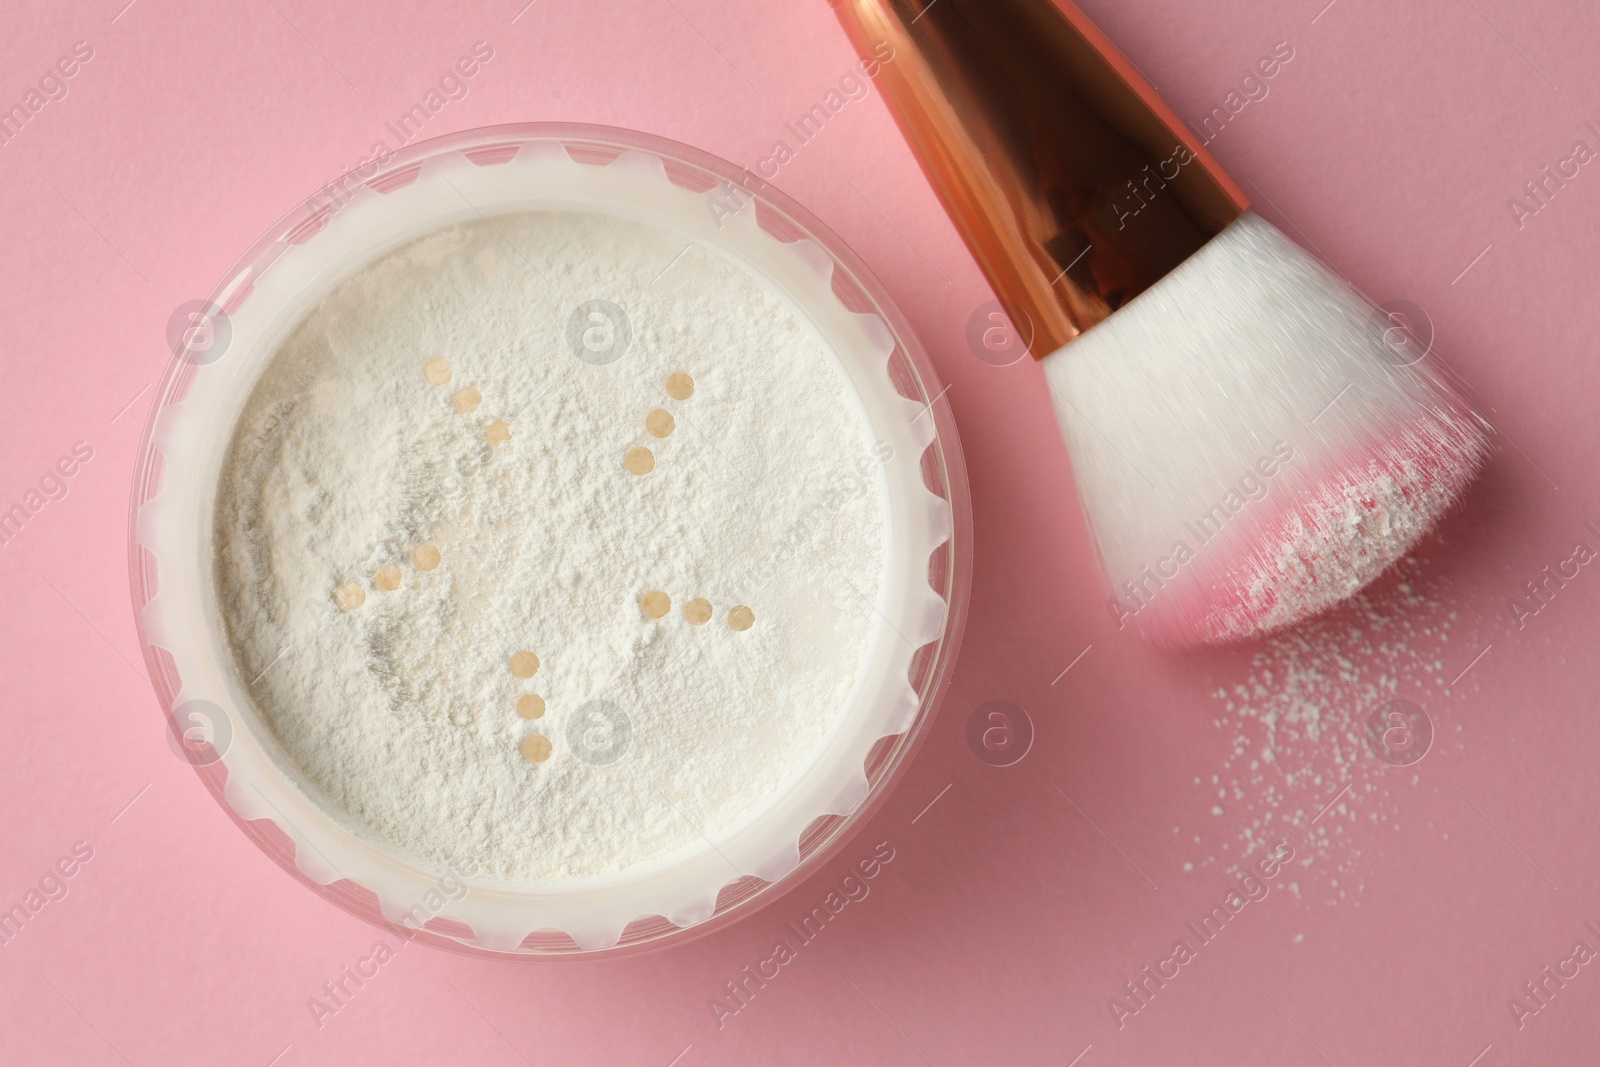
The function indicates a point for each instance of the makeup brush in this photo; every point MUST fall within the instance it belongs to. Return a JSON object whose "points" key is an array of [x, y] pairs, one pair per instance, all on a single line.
{"points": [[1253, 441]]}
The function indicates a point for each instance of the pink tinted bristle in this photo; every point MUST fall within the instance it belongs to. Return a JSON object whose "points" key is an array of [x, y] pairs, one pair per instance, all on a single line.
{"points": [[1341, 529]]}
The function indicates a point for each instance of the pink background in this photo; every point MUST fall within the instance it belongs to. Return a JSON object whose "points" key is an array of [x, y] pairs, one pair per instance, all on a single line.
{"points": [[1009, 915]]}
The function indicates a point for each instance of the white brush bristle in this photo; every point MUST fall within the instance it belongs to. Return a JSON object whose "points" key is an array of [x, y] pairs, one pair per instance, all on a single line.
{"points": [[1248, 445]]}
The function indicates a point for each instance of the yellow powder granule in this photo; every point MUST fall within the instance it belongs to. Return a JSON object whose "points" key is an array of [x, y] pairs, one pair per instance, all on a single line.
{"points": [[679, 385], [349, 596], [436, 370], [655, 604], [660, 423], [639, 461], [524, 664]]}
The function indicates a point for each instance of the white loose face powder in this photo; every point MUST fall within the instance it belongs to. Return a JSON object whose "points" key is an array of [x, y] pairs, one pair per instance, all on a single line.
{"points": [[542, 587]]}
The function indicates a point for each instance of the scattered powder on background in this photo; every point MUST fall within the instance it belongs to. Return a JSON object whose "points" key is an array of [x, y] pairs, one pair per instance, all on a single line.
{"points": [[1298, 726], [440, 532]]}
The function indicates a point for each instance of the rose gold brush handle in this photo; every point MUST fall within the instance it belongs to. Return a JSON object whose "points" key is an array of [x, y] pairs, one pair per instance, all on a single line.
{"points": [[1074, 186]]}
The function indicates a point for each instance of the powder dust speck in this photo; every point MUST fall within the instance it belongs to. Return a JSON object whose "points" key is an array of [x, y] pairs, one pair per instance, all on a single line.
{"points": [[1300, 766]]}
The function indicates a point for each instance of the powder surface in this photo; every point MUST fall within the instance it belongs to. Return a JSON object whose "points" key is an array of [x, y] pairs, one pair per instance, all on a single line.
{"points": [[513, 521]]}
